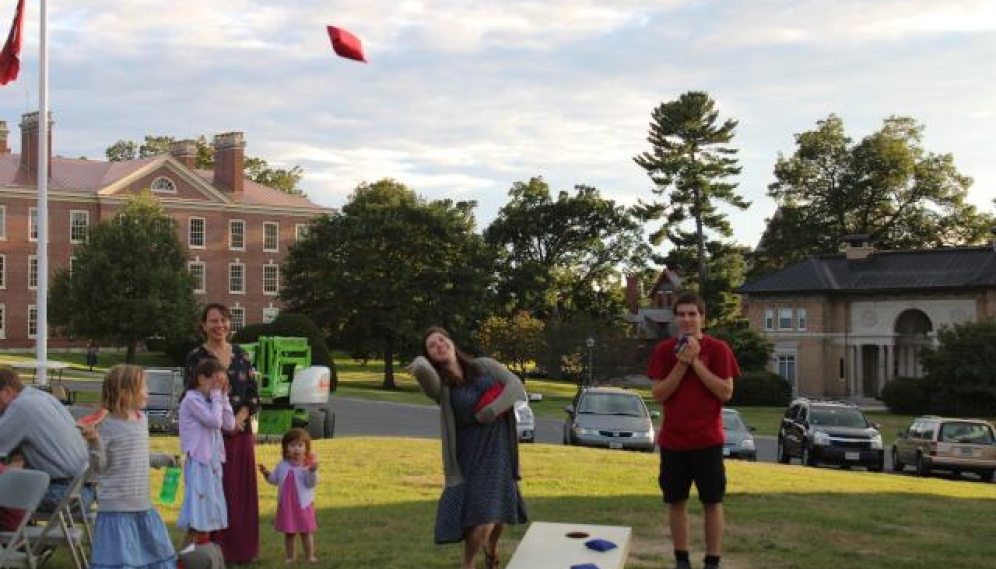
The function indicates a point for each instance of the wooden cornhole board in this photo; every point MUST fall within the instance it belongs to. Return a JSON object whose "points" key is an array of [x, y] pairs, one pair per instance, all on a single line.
{"points": [[546, 545]]}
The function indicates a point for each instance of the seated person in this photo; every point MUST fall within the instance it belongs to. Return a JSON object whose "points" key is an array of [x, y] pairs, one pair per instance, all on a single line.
{"points": [[44, 431]]}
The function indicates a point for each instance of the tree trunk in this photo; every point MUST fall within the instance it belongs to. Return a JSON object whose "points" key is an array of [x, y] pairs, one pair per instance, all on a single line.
{"points": [[701, 244], [389, 384], [130, 353]]}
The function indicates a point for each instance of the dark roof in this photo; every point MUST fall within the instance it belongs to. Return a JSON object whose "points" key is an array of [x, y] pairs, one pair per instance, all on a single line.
{"points": [[950, 268]]}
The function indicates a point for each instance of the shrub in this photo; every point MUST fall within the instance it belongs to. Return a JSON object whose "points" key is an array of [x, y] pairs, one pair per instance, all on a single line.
{"points": [[177, 350], [907, 395], [759, 387]]}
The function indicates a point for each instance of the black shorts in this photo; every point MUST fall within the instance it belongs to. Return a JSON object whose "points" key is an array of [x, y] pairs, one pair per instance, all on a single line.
{"points": [[679, 468]]}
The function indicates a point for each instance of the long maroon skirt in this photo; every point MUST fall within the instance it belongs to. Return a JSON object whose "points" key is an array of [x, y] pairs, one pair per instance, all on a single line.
{"points": [[240, 542]]}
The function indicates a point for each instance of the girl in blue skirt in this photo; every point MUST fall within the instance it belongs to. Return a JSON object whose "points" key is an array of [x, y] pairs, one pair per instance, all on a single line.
{"points": [[128, 532], [204, 412]]}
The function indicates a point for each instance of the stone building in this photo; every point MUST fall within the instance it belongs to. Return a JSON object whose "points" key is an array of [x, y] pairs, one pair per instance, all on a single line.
{"points": [[843, 325]]}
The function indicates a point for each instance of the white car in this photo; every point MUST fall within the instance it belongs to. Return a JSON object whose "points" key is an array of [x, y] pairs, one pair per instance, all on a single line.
{"points": [[525, 423]]}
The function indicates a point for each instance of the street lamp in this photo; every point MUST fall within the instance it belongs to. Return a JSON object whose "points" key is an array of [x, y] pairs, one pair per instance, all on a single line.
{"points": [[590, 342]]}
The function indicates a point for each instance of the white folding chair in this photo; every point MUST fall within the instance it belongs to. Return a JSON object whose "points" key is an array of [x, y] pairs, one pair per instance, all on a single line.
{"points": [[21, 490], [59, 528]]}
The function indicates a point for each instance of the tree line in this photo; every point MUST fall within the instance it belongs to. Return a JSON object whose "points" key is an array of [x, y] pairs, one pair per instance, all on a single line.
{"points": [[544, 276]]}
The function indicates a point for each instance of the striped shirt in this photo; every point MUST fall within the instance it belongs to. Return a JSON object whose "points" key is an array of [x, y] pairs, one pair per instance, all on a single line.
{"points": [[121, 461]]}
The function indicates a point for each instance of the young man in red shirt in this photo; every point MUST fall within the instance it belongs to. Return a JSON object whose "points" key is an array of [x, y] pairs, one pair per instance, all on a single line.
{"points": [[693, 376]]}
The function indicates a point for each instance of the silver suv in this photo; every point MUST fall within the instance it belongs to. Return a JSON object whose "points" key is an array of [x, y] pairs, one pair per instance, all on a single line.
{"points": [[939, 443]]}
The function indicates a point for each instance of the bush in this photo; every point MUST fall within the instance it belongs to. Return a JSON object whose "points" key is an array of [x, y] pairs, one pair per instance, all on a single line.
{"points": [[907, 395], [177, 350], [759, 387]]}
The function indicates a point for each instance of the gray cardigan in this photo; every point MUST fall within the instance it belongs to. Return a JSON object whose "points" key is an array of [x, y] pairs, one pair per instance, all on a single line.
{"points": [[433, 387]]}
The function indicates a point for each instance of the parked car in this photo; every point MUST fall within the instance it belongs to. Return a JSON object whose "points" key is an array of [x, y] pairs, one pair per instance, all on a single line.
{"points": [[612, 418], [525, 422], [831, 432], [739, 438], [938, 443], [165, 386]]}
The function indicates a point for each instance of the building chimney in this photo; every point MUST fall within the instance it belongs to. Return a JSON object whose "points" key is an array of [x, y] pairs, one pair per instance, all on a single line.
{"points": [[4, 147], [633, 294], [29, 143], [186, 152], [857, 247], [229, 161]]}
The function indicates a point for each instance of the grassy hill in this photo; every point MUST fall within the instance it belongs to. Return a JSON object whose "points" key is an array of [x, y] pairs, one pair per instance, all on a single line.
{"points": [[377, 497]]}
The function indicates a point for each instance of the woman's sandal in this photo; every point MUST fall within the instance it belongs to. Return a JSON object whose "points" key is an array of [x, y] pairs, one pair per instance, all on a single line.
{"points": [[490, 559]]}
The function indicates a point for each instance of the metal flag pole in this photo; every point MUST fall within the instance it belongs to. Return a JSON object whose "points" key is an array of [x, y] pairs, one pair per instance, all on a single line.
{"points": [[41, 328]]}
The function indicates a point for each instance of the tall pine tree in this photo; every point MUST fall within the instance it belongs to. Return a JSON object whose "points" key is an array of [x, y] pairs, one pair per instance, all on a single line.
{"points": [[690, 162]]}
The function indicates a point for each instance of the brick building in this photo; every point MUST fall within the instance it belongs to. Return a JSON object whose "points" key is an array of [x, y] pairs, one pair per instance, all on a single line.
{"points": [[237, 231], [845, 324]]}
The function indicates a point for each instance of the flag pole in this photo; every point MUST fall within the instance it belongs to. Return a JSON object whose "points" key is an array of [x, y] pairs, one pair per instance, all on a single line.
{"points": [[41, 328]]}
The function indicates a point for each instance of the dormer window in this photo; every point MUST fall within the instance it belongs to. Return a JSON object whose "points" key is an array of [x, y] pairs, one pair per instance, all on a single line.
{"points": [[162, 184]]}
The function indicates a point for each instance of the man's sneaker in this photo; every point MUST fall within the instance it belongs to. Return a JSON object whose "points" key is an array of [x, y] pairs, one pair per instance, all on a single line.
{"points": [[682, 565], [712, 566]]}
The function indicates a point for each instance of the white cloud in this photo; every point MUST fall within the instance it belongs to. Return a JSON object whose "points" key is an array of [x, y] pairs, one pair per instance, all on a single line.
{"points": [[462, 99]]}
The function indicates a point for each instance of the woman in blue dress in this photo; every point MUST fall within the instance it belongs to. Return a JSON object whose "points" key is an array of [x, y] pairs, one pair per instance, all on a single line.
{"points": [[480, 445]]}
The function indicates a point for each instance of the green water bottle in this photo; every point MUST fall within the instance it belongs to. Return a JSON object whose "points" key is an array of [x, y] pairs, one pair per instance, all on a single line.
{"points": [[171, 481]]}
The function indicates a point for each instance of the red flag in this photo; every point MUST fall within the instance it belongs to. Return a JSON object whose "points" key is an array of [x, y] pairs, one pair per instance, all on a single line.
{"points": [[10, 65], [344, 44]]}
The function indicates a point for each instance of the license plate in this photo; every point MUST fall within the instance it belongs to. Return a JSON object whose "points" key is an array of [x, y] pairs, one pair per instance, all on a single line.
{"points": [[966, 452], [726, 451], [852, 456], [615, 445]]}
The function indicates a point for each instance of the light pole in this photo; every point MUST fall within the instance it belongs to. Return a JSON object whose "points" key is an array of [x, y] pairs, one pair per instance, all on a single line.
{"points": [[590, 342]]}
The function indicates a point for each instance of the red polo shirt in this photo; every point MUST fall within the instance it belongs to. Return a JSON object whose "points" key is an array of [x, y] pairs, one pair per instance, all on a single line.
{"points": [[693, 416]]}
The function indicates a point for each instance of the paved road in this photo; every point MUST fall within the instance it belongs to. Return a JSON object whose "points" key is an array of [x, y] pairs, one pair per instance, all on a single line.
{"points": [[360, 417]]}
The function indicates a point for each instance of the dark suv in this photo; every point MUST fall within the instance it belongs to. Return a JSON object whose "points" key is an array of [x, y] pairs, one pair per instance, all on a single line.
{"points": [[832, 432]]}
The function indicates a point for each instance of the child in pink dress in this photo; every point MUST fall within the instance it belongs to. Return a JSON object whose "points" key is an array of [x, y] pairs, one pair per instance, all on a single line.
{"points": [[295, 477]]}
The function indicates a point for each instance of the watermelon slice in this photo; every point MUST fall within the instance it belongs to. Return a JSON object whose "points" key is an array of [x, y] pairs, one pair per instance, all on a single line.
{"points": [[92, 419]]}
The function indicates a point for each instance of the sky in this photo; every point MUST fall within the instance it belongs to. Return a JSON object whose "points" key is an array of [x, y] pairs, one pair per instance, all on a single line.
{"points": [[463, 98]]}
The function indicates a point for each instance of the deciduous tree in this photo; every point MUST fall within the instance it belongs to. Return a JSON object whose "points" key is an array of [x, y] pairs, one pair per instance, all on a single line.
{"points": [[886, 186], [561, 255], [129, 281], [387, 266]]}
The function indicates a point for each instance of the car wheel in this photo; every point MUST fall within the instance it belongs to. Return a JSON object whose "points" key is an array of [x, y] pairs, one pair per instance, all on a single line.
{"points": [[987, 475], [878, 467], [328, 428], [921, 466], [897, 465], [783, 456], [807, 457]]}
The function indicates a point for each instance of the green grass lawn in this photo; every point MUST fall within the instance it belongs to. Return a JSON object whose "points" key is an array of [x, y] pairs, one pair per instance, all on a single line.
{"points": [[377, 497]]}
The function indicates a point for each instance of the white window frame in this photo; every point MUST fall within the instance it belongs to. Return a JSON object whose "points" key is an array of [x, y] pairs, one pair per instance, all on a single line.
{"points": [[232, 223], [200, 284], [270, 314], [784, 318], [784, 363], [32, 272], [3, 272], [3, 222], [33, 224], [232, 278], [3, 322], [271, 285], [32, 320], [300, 231], [163, 185], [190, 232], [276, 237], [72, 225], [238, 320], [769, 319], [801, 320]]}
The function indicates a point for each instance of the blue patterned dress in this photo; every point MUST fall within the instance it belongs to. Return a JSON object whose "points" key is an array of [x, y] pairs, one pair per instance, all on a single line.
{"points": [[487, 457]]}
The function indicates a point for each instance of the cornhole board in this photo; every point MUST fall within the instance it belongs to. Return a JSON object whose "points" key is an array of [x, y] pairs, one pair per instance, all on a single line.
{"points": [[547, 545]]}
